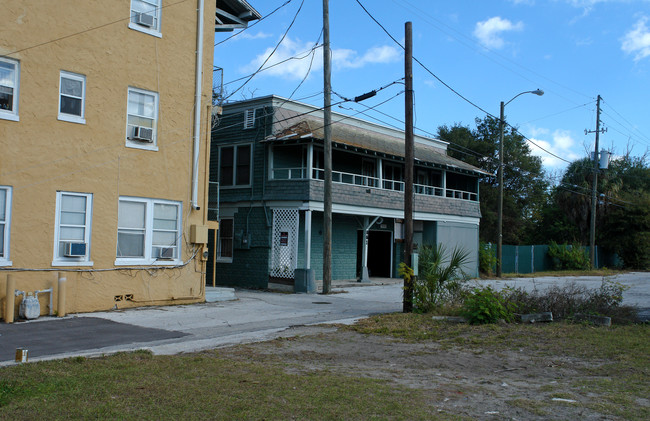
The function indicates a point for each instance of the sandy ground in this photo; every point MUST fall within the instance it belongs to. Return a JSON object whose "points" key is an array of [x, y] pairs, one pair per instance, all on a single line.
{"points": [[472, 384]]}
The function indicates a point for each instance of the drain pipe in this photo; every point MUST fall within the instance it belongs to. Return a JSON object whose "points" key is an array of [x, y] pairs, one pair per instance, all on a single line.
{"points": [[197, 105]]}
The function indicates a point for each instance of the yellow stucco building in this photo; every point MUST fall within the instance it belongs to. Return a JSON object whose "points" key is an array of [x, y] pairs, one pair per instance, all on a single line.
{"points": [[104, 139]]}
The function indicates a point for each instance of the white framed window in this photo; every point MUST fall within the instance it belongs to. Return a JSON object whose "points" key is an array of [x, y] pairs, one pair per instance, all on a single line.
{"points": [[72, 97], [5, 224], [141, 119], [9, 83], [72, 229], [148, 231], [145, 16], [225, 241], [235, 165]]}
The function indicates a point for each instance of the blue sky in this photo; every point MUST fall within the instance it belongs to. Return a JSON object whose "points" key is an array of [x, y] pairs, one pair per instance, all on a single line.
{"points": [[488, 51]]}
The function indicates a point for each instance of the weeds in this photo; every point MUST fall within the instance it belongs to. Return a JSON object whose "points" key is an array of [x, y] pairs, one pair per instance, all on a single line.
{"points": [[567, 300], [485, 305]]}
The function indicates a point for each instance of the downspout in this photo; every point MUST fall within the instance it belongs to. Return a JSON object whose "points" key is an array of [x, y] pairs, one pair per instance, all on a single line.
{"points": [[197, 105]]}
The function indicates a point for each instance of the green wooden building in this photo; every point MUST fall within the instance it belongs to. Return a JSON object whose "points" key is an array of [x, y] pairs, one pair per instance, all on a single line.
{"points": [[266, 191]]}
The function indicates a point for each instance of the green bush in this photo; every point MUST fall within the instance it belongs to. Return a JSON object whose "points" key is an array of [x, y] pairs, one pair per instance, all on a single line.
{"points": [[440, 277], [568, 257], [485, 305], [487, 259]]}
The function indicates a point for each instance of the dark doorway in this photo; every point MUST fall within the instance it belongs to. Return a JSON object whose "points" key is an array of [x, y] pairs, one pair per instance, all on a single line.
{"points": [[379, 253]]}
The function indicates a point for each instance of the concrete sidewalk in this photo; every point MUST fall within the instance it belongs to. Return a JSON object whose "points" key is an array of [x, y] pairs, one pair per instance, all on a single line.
{"points": [[254, 316]]}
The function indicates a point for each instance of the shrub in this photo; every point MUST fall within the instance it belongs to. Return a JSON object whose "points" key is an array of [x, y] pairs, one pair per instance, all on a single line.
{"points": [[568, 257], [567, 300], [485, 305], [487, 258], [440, 277]]}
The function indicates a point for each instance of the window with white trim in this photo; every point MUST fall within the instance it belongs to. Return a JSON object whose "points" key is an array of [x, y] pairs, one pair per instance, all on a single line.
{"points": [[72, 229], [72, 97], [225, 242], [148, 231], [9, 81], [141, 119], [235, 165], [145, 16], [5, 222]]}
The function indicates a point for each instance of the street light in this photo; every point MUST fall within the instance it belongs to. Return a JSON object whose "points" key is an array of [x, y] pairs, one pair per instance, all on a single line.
{"points": [[538, 92]]}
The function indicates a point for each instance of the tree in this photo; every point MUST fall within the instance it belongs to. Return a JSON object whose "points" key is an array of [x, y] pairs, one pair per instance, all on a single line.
{"points": [[525, 186], [623, 208], [625, 225]]}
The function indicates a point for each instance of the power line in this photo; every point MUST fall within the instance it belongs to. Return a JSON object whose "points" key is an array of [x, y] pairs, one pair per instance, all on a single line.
{"points": [[306, 53], [483, 48], [88, 30], [272, 52], [252, 25], [420, 63]]}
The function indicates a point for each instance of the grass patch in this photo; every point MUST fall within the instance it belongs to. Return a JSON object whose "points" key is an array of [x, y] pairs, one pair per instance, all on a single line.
{"points": [[196, 386]]}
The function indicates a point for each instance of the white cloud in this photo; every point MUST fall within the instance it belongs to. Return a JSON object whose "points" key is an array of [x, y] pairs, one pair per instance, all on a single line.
{"points": [[489, 32], [295, 69], [259, 35], [637, 40], [343, 58], [560, 143]]}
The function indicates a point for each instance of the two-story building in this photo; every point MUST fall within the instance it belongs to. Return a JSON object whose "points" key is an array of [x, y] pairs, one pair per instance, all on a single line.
{"points": [[267, 184], [105, 110]]}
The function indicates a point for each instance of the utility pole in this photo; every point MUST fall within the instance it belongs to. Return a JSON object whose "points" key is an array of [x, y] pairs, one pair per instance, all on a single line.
{"points": [[500, 203], [408, 165], [327, 120], [594, 198]]}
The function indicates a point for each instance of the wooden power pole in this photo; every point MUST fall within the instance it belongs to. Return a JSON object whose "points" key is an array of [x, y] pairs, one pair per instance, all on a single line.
{"points": [[327, 117], [408, 165], [594, 188]]}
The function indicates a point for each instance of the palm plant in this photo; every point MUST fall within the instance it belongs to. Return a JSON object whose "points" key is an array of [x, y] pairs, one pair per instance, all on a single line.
{"points": [[440, 277]]}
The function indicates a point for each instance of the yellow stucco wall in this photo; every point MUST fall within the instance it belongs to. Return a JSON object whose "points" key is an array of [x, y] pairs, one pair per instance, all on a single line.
{"points": [[40, 155]]}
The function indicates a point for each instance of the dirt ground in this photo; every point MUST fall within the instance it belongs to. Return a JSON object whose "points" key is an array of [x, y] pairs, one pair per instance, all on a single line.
{"points": [[476, 384]]}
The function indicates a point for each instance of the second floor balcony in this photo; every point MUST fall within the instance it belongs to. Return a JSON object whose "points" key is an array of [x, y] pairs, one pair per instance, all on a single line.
{"points": [[305, 162]]}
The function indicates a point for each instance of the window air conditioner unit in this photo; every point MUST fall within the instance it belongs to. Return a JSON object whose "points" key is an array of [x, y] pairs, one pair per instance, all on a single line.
{"points": [[144, 134], [165, 253], [74, 249], [144, 19]]}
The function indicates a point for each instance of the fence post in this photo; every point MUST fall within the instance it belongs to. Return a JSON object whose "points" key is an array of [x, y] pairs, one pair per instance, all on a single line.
{"points": [[532, 259]]}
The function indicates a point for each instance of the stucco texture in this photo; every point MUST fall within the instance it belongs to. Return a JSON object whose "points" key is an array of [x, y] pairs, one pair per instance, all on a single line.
{"points": [[42, 154]]}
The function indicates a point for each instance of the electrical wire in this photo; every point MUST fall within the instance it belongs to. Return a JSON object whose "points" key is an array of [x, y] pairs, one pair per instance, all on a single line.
{"points": [[256, 22], [88, 30], [272, 52]]}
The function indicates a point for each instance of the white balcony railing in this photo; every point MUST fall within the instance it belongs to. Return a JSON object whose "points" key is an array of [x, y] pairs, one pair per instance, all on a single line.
{"points": [[364, 180]]}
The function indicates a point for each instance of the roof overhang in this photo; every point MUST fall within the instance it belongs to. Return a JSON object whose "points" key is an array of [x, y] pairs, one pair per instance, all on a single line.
{"points": [[233, 14], [353, 139]]}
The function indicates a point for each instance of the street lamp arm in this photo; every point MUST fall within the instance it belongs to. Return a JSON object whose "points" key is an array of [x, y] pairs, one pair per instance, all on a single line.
{"points": [[538, 92], [502, 122]]}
